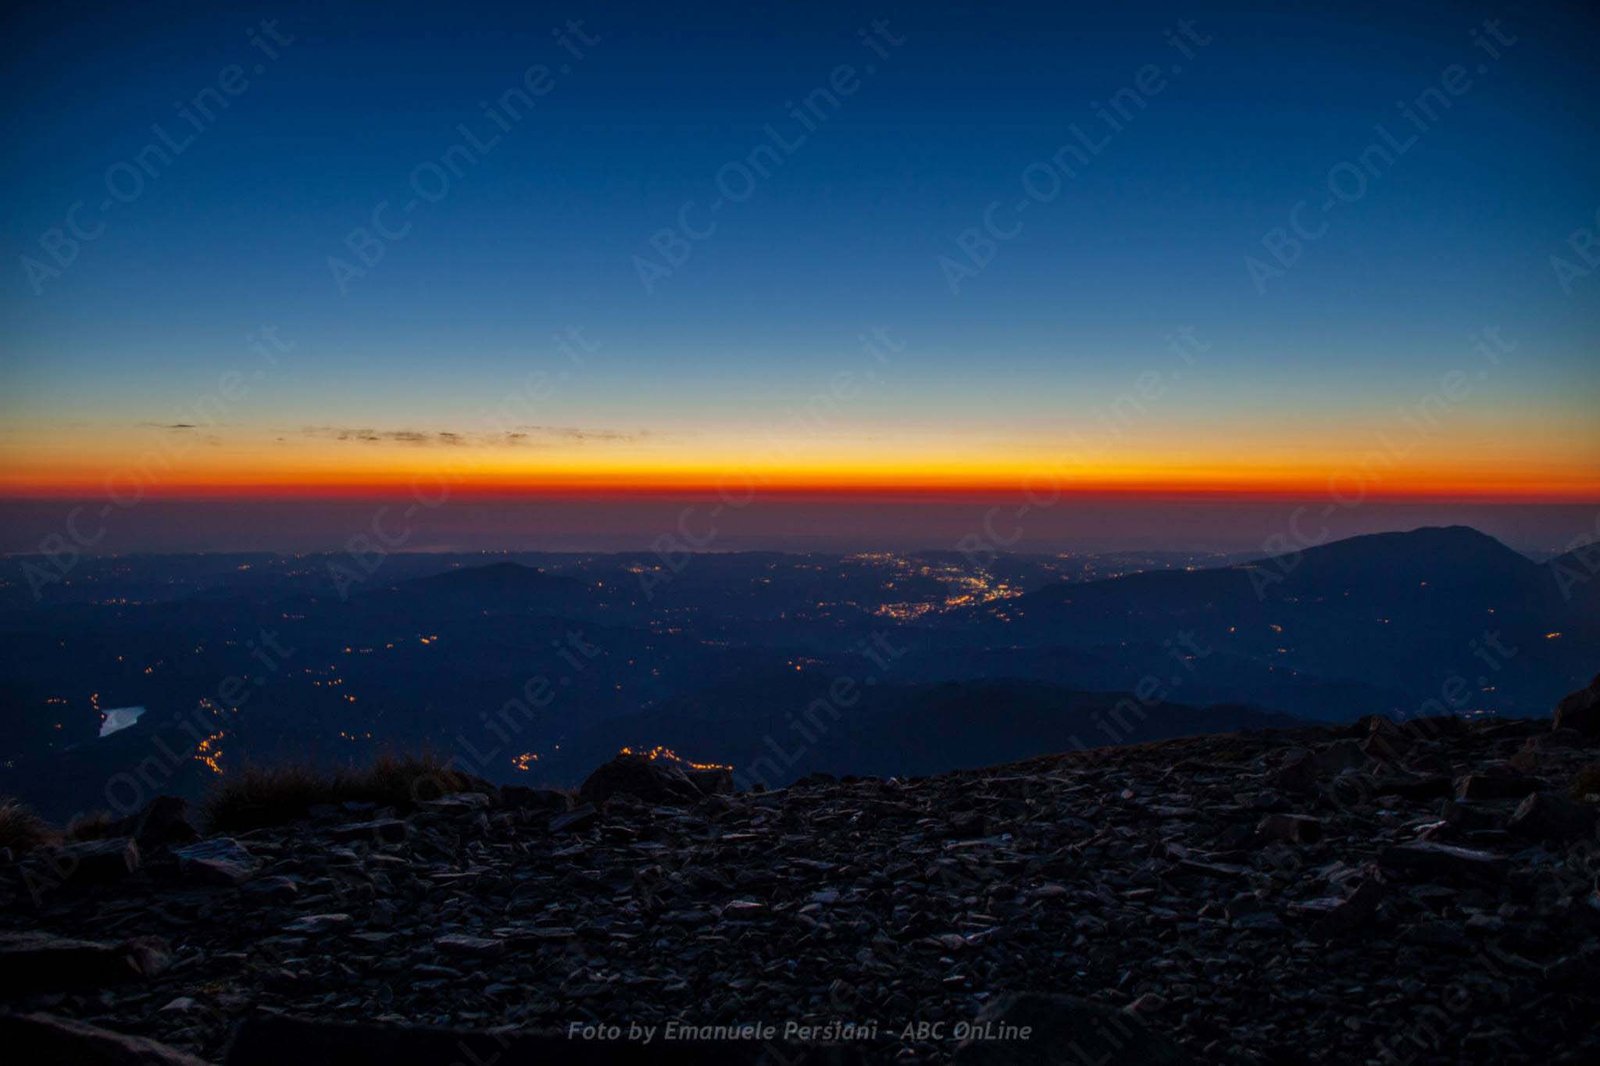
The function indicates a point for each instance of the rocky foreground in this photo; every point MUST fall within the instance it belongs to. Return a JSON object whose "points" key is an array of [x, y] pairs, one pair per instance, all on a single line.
{"points": [[1418, 893]]}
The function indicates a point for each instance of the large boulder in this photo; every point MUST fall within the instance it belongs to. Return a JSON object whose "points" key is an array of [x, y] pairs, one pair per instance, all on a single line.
{"points": [[35, 962], [1433, 861], [1549, 816], [1290, 828], [163, 823], [79, 865], [376, 831], [218, 861], [658, 781], [100, 861], [1580, 710], [576, 820]]}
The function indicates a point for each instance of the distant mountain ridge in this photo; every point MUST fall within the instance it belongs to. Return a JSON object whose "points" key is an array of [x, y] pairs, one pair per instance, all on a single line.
{"points": [[1410, 613], [1449, 556], [499, 578], [498, 586], [576, 655]]}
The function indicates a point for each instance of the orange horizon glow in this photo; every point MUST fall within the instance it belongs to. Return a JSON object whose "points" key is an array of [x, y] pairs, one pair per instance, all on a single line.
{"points": [[1550, 463], [737, 486]]}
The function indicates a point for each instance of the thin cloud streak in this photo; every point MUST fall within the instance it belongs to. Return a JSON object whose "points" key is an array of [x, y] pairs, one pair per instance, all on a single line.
{"points": [[535, 436]]}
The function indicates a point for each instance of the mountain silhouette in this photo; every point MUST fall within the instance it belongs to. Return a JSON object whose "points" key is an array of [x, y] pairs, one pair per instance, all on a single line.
{"points": [[1456, 559], [500, 586], [1410, 614], [503, 578]]}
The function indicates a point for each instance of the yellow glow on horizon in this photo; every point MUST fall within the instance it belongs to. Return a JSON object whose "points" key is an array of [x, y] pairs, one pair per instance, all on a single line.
{"points": [[1532, 467]]}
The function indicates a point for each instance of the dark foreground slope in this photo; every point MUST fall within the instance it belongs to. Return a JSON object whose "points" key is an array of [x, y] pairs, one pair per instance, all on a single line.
{"points": [[1379, 893]]}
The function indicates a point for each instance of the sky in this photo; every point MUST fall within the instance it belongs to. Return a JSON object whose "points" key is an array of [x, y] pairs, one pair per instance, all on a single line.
{"points": [[578, 253]]}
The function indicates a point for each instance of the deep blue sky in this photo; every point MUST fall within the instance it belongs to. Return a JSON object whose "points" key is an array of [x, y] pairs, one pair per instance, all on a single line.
{"points": [[543, 231]]}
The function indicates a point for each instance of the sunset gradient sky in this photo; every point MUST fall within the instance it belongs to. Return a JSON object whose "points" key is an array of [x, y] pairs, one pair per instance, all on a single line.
{"points": [[705, 260]]}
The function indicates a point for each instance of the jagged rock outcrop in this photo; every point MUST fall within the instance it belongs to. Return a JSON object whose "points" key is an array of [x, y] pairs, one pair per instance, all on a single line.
{"points": [[1580, 710], [642, 778], [1422, 891]]}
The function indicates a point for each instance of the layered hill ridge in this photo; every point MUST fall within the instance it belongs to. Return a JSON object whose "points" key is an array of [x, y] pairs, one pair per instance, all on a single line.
{"points": [[493, 586], [1448, 558], [1421, 890], [493, 577], [729, 656]]}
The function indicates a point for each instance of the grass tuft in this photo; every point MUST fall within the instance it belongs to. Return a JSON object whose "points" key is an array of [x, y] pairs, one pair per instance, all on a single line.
{"points": [[21, 830], [257, 796], [92, 826]]}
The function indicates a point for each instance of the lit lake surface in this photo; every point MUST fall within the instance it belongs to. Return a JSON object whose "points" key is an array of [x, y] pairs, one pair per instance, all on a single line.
{"points": [[119, 719]]}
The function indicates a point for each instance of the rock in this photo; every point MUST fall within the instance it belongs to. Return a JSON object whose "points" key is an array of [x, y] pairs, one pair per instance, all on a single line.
{"points": [[1261, 922], [150, 954], [278, 888], [1470, 817], [1292, 828], [1065, 1029], [38, 962], [1171, 883], [1222, 871], [217, 861], [458, 803], [460, 944], [1580, 710], [382, 830], [318, 923], [163, 823], [1373, 725], [557, 932], [1549, 816], [1438, 935], [1495, 786], [1297, 772], [1428, 859], [711, 780], [95, 862], [1339, 756], [1341, 914], [1485, 925], [1149, 1003], [657, 781], [52, 1041], [1558, 739], [575, 820], [521, 797], [1415, 787], [1382, 739], [967, 824], [1386, 747]]}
